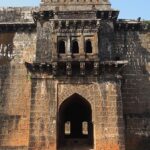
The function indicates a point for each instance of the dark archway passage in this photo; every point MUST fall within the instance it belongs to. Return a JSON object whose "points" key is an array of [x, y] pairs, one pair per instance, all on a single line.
{"points": [[75, 122]]}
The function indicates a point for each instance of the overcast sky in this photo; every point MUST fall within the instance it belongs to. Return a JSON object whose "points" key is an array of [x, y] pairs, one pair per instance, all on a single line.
{"points": [[130, 9]]}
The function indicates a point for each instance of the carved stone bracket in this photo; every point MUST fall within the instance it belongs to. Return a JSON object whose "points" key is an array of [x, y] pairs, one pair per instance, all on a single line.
{"points": [[77, 25], [96, 68], [54, 68], [82, 68], [77, 68], [68, 68]]}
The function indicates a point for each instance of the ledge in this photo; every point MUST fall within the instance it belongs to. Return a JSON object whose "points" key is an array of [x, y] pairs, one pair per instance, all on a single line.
{"points": [[76, 68], [133, 25]]}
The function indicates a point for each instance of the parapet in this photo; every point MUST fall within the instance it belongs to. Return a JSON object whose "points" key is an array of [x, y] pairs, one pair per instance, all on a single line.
{"points": [[15, 15], [75, 5]]}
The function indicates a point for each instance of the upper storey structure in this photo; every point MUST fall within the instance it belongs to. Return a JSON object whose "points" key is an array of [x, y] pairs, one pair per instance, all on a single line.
{"points": [[75, 5]]}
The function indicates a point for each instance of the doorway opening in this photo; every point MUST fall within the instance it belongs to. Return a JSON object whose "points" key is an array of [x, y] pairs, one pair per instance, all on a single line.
{"points": [[75, 122]]}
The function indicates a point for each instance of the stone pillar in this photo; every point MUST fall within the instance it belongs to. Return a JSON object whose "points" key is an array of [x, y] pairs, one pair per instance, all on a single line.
{"points": [[54, 46], [82, 47], [95, 45], [68, 47]]}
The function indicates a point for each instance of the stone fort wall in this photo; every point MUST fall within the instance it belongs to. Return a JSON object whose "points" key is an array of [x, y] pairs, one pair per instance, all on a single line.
{"points": [[18, 46], [135, 86]]}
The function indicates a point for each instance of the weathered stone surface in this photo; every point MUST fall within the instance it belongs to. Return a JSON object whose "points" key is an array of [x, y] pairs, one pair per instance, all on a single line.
{"points": [[16, 15], [68, 5], [15, 89], [38, 84], [135, 87]]}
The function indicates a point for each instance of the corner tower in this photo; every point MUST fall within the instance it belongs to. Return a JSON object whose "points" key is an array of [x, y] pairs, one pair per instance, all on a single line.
{"points": [[76, 100]]}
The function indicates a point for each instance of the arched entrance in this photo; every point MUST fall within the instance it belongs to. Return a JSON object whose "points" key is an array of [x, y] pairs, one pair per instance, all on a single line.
{"points": [[75, 126]]}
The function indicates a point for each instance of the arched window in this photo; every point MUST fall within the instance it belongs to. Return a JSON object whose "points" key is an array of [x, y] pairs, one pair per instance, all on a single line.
{"points": [[74, 46], [88, 46], [61, 47]]}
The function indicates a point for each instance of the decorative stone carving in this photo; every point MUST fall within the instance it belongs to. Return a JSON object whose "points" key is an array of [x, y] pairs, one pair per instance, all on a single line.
{"points": [[96, 68], [68, 68], [82, 68], [54, 68]]}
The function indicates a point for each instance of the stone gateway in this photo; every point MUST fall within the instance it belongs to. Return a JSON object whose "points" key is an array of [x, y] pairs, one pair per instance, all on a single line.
{"points": [[73, 77]]}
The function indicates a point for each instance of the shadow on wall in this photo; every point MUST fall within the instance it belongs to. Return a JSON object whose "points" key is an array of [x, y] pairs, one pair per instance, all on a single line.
{"points": [[134, 47], [6, 49], [106, 41], [7, 123]]}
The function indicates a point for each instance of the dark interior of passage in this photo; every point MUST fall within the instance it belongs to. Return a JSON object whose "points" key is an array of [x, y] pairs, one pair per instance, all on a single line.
{"points": [[75, 121]]}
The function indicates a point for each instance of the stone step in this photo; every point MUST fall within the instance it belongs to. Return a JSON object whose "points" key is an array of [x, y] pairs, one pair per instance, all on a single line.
{"points": [[76, 148]]}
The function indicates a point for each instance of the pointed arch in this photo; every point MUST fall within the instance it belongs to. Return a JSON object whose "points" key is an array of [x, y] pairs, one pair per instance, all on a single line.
{"points": [[74, 46], [75, 120], [61, 47], [88, 46]]}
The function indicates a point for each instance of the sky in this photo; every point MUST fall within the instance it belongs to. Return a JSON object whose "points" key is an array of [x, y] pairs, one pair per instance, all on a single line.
{"points": [[129, 9]]}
